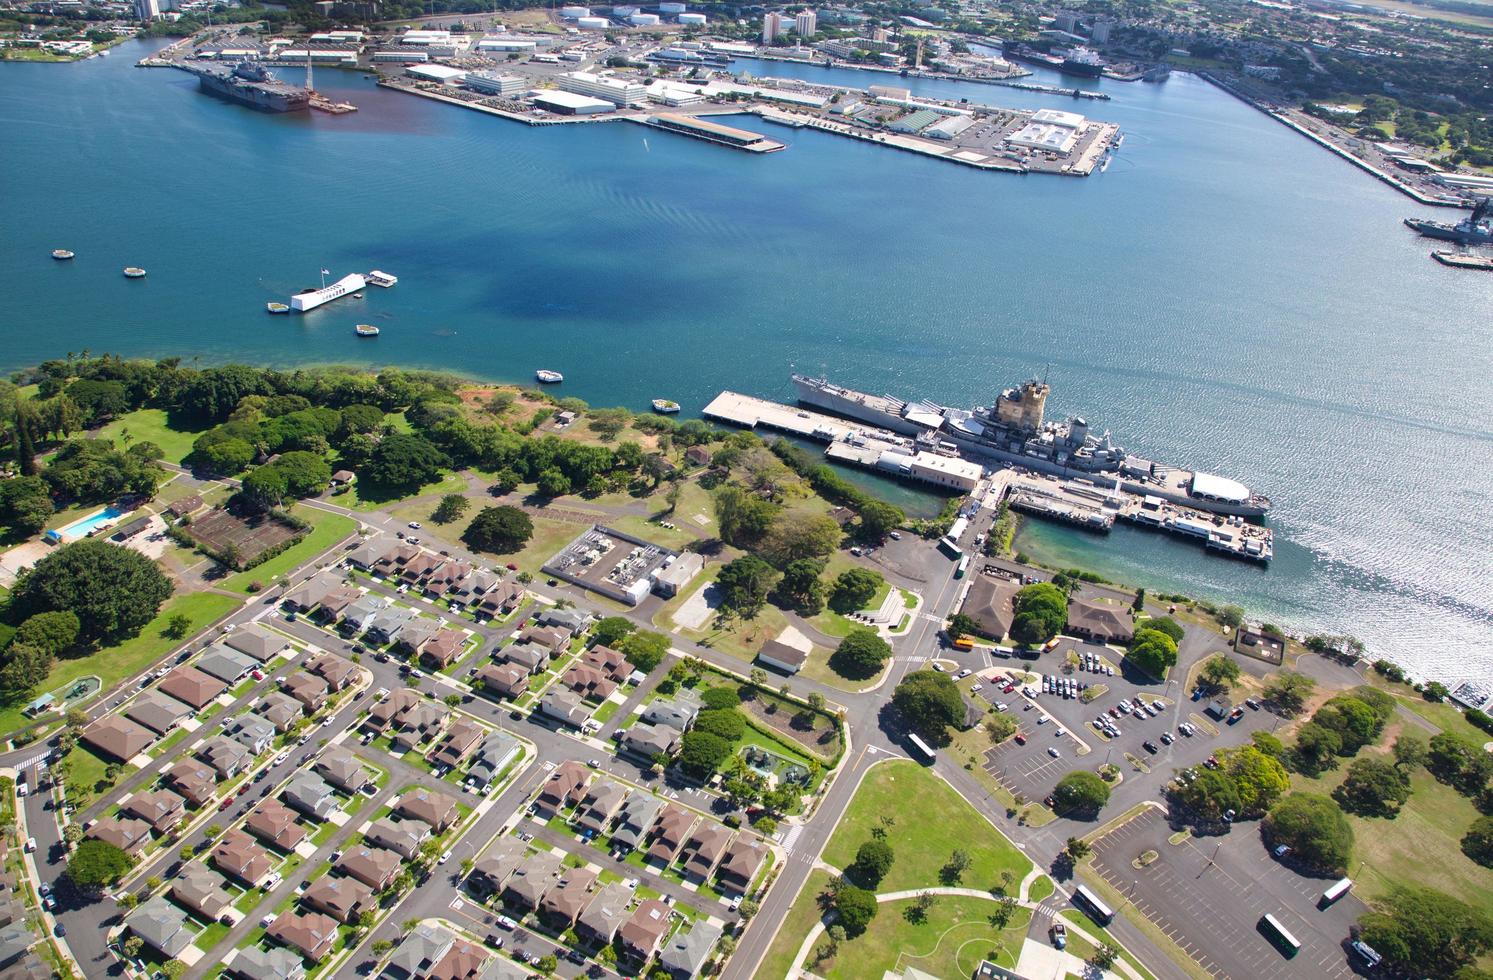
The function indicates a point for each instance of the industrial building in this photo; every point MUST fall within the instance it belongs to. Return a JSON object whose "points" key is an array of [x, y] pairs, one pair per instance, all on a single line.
{"points": [[611, 563], [914, 122], [492, 83], [1051, 130], [570, 104], [592, 23], [715, 133], [441, 74], [948, 127], [691, 20], [506, 44], [621, 92]]}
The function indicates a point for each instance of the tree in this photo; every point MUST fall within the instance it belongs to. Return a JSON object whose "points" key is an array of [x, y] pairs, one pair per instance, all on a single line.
{"points": [[1459, 762], [929, 703], [1317, 748], [177, 626], [1077, 848], [547, 964], [25, 504], [381, 947], [856, 908], [799, 534], [96, 864], [1355, 722], [403, 462], [113, 591], [1041, 613], [1219, 672], [1426, 933], [1080, 793], [1259, 778], [701, 753], [877, 518], [800, 588], [1373, 788], [1477, 843], [644, 649], [954, 868], [962, 625], [1152, 652], [452, 507], [1410, 751], [720, 698], [1105, 956], [872, 862], [610, 630], [1315, 829], [1289, 690], [53, 632], [861, 654], [854, 590], [500, 530], [133, 944], [743, 518], [816, 701], [1231, 616], [745, 583], [24, 669], [727, 723]]}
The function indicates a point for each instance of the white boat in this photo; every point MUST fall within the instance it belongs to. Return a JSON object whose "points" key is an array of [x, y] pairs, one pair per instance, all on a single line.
{"points": [[547, 377], [377, 278], [312, 298], [134, 272], [61, 254], [276, 308], [366, 330], [664, 406]]}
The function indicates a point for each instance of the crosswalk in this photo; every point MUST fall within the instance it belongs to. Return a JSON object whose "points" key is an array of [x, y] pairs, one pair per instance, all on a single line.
{"points": [[35, 760]]}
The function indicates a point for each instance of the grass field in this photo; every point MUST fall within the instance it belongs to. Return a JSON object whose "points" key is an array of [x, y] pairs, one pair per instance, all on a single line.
{"points": [[150, 425], [326, 530], [114, 664], [1095, 929], [450, 483], [908, 792], [801, 918], [950, 941]]}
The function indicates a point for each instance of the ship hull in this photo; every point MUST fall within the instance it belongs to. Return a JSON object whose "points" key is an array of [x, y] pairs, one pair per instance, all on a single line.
{"points": [[1448, 233], [1081, 69], [252, 97]]}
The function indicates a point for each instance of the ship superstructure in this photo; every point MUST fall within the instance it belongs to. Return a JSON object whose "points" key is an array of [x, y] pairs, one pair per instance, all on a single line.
{"points": [[252, 85], [1475, 229]]}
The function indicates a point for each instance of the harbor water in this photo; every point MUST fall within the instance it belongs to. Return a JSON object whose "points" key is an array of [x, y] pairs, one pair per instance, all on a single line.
{"points": [[1226, 295]]}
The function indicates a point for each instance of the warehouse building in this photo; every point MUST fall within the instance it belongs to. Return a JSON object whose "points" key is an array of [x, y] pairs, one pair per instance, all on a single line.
{"points": [[618, 91], [570, 104]]}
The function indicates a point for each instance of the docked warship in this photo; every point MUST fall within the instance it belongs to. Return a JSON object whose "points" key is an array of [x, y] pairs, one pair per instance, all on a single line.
{"points": [[1475, 229], [251, 85], [1014, 431]]}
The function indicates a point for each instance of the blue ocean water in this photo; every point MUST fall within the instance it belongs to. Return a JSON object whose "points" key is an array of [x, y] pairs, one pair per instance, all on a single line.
{"points": [[1226, 295]]}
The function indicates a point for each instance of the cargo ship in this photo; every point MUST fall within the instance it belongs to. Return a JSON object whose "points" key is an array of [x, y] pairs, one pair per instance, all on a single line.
{"points": [[309, 299], [1083, 63], [1013, 431], [1475, 229], [252, 85]]}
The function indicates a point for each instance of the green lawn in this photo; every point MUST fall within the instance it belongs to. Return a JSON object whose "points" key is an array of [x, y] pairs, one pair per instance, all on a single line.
{"points": [[549, 537], [450, 483], [802, 916], [922, 846], [150, 425], [1095, 929], [604, 713], [950, 941], [649, 531], [1041, 889], [326, 530], [114, 664]]}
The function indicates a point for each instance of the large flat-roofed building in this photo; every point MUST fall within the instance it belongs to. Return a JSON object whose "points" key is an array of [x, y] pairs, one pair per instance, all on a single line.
{"points": [[492, 83], [570, 104], [714, 132], [443, 74], [1051, 130], [618, 91]]}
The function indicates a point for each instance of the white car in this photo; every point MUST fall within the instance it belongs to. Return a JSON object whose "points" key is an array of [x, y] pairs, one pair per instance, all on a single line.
{"points": [[938, 666], [414, 525], [963, 674], [1042, 720], [445, 856], [1054, 752], [1001, 706]]}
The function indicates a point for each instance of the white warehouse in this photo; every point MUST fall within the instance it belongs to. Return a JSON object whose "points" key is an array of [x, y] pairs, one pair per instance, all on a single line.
{"points": [[492, 83], [614, 90]]}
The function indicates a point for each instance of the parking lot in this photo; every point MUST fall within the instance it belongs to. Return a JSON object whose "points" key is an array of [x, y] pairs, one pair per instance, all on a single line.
{"points": [[1208, 895]]}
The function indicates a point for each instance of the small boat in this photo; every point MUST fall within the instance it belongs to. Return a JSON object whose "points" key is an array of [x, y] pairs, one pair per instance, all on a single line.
{"points": [[384, 279], [664, 406], [134, 272], [61, 254], [366, 330], [357, 295], [277, 307], [547, 377]]}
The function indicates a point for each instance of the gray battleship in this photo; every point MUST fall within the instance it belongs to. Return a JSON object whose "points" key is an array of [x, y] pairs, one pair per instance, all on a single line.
{"points": [[1013, 431], [251, 85], [1475, 229]]}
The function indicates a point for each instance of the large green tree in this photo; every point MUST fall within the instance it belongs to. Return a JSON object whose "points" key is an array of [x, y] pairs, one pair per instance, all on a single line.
{"points": [[25, 504], [854, 589], [872, 861], [701, 753], [860, 655], [500, 530], [1315, 829], [745, 583], [856, 908], [96, 864], [1209, 796], [1374, 788], [929, 703], [645, 649], [1219, 672], [1459, 762], [1080, 794], [1259, 778], [1424, 932], [403, 462], [50, 631], [800, 588], [1041, 613], [799, 533], [1152, 652], [1477, 843], [113, 591]]}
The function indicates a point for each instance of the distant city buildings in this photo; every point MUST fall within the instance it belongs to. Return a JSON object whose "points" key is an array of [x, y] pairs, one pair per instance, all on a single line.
{"points": [[806, 24], [772, 26]]}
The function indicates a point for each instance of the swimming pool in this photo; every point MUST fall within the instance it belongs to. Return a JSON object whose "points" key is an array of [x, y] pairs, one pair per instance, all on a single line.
{"points": [[89, 524]]}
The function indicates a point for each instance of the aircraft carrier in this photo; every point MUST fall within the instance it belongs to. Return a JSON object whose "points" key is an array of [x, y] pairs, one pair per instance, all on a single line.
{"points": [[251, 85], [1014, 431]]}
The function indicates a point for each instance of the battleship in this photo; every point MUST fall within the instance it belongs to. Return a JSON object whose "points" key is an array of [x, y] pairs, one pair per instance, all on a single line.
{"points": [[251, 85], [1475, 229], [1013, 431]]}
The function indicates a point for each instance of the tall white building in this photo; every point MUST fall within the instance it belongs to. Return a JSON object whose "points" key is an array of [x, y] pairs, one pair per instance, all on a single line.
{"points": [[772, 27], [806, 24], [147, 9], [621, 92]]}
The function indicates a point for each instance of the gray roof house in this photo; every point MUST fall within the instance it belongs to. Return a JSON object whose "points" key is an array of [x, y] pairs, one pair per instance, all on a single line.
{"points": [[679, 713], [495, 752], [280, 710], [636, 819], [341, 897], [203, 891], [161, 926], [253, 733], [492, 870], [157, 712], [162, 809], [363, 612], [651, 740], [419, 952], [256, 641], [275, 963], [570, 620], [600, 804], [224, 664], [537, 875], [311, 592], [604, 916], [310, 795], [403, 837], [389, 624], [367, 554], [342, 769], [527, 655], [564, 706], [225, 756], [685, 955]]}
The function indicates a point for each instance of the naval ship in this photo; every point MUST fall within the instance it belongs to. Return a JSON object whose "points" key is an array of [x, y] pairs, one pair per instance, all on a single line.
{"points": [[251, 85], [1475, 229], [1014, 431]]}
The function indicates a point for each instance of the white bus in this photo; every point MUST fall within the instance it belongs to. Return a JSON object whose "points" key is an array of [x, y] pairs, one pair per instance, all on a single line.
{"points": [[1336, 892], [962, 567], [1288, 944], [1095, 908], [921, 746]]}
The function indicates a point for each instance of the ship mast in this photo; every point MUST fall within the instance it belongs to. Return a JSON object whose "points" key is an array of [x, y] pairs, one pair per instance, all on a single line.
{"points": [[310, 83]]}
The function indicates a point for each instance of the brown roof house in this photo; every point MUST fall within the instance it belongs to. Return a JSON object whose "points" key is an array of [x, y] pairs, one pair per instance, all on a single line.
{"points": [[280, 710], [338, 672], [275, 823], [192, 686], [1099, 623], [509, 680], [742, 862], [239, 855], [562, 904], [308, 689], [161, 808], [343, 898], [553, 640], [608, 661], [642, 933], [461, 740], [311, 934], [588, 682], [257, 641], [669, 833], [128, 835], [342, 769], [532, 658], [373, 866], [990, 603], [443, 649], [193, 780], [118, 737], [705, 849], [563, 786], [436, 809]]}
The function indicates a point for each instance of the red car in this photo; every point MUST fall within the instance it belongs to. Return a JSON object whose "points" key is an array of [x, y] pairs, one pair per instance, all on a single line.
{"points": [[1009, 688], [511, 567], [227, 802], [1020, 739]]}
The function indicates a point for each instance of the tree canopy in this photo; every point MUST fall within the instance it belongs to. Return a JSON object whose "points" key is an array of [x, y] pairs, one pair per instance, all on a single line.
{"points": [[1152, 652], [1427, 933], [872, 861], [404, 462], [856, 908], [1219, 672], [1374, 788], [854, 589], [861, 654], [1080, 793], [50, 631], [25, 504], [113, 591], [701, 753], [1315, 829], [1041, 613], [930, 703], [644, 648], [96, 864], [744, 584], [500, 530]]}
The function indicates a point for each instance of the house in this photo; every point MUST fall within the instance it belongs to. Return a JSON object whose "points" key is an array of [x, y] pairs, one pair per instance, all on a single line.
{"points": [[669, 833], [393, 560], [420, 567], [420, 723], [563, 903], [336, 603], [697, 456], [565, 707], [275, 963], [311, 593], [563, 786], [526, 655], [491, 872], [611, 663], [225, 664], [530, 881], [433, 952], [474, 587], [161, 808], [128, 835], [185, 506], [493, 756], [991, 604], [436, 809], [389, 622], [508, 680], [373, 866], [192, 686], [651, 741], [203, 891], [338, 672], [416, 633], [386, 714], [461, 740], [678, 714], [403, 837], [572, 621], [443, 649], [311, 691], [360, 614], [118, 737], [275, 823], [368, 554], [161, 926], [781, 657], [239, 856], [705, 849], [224, 756], [636, 819], [600, 804], [343, 898], [193, 780], [600, 920], [342, 769], [310, 795], [157, 712], [253, 733], [311, 934], [500, 600], [1099, 623], [280, 710], [644, 930], [547, 638], [446, 578], [677, 574], [343, 478], [258, 642], [742, 861], [684, 956], [588, 682]]}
